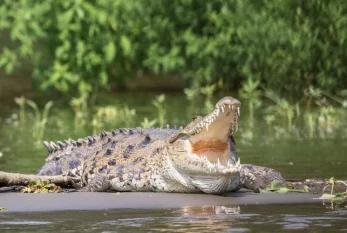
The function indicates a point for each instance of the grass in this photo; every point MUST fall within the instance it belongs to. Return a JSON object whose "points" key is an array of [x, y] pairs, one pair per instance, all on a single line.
{"points": [[40, 119]]}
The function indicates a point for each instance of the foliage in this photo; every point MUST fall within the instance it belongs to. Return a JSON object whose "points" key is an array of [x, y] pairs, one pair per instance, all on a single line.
{"points": [[148, 124], [40, 119], [251, 93], [277, 187], [41, 186], [80, 45], [158, 102], [21, 103], [337, 197]]}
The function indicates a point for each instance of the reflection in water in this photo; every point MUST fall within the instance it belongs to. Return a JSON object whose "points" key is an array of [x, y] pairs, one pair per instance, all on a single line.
{"points": [[209, 210], [253, 218], [332, 205]]}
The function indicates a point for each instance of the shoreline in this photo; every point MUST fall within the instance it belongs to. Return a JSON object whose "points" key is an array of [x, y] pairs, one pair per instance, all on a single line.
{"points": [[34, 202]]}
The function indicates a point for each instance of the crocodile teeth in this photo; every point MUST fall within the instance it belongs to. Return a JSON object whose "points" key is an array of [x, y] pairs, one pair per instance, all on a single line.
{"points": [[238, 163], [218, 162], [206, 127], [222, 107], [217, 112], [238, 111]]}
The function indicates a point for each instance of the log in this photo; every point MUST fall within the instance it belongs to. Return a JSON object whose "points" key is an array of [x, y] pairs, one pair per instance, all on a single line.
{"points": [[9, 179]]}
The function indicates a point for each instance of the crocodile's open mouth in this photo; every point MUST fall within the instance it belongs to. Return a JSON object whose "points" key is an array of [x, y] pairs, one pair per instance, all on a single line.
{"points": [[211, 139]]}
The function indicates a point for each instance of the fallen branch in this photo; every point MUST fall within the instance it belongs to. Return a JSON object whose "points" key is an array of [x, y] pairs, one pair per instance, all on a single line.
{"points": [[8, 179]]}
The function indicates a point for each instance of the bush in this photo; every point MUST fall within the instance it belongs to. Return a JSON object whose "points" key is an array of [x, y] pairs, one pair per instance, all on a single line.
{"points": [[81, 45]]}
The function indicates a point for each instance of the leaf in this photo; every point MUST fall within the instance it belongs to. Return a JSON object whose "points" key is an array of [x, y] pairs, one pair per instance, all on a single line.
{"points": [[277, 187], [3, 209], [103, 78], [110, 52], [126, 45], [326, 196], [32, 183], [337, 198]]}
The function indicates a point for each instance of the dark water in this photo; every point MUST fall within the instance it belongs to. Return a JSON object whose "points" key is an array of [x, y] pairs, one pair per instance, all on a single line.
{"points": [[294, 155], [252, 218]]}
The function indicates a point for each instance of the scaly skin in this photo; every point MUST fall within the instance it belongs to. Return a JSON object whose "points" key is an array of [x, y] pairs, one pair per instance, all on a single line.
{"points": [[199, 158]]}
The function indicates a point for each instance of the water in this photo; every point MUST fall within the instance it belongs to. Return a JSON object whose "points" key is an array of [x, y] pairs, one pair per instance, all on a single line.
{"points": [[249, 218], [293, 156]]}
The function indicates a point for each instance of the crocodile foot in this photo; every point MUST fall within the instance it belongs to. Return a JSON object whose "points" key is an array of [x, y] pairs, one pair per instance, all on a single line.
{"points": [[256, 177]]}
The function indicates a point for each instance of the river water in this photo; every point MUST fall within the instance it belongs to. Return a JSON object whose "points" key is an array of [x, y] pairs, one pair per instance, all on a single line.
{"points": [[247, 218], [295, 155]]}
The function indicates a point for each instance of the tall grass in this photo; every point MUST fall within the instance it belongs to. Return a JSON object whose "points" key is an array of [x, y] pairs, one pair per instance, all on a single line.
{"points": [[40, 119]]}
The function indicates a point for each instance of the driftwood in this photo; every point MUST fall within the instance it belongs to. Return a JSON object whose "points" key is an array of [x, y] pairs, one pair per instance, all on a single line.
{"points": [[10, 179]]}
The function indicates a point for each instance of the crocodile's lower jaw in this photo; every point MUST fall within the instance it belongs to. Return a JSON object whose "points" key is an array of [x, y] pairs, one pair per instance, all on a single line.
{"points": [[215, 151], [215, 185], [209, 161]]}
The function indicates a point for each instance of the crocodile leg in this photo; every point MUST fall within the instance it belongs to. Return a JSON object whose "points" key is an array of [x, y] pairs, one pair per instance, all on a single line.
{"points": [[256, 177], [98, 183]]}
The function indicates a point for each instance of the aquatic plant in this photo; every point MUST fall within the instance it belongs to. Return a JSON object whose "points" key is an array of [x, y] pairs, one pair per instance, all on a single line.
{"points": [[310, 94], [338, 197], [80, 106], [147, 124], [104, 114], [309, 119], [282, 108], [40, 119], [191, 93], [21, 103], [333, 182], [277, 187], [41, 186], [251, 93], [158, 102], [208, 91], [128, 115]]}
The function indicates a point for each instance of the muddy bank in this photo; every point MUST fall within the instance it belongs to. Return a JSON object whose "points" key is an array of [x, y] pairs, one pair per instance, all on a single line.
{"points": [[22, 202]]}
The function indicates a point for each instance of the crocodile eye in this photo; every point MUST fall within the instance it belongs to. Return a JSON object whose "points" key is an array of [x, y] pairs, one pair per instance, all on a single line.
{"points": [[195, 117]]}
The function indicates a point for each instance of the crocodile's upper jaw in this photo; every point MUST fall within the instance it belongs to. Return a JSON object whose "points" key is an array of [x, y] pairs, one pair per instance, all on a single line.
{"points": [[204, 149], [212, 142]]}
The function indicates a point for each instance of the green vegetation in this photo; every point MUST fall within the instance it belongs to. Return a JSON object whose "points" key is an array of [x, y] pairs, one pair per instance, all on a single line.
{"points": [[78, 47], [336, 198], [159, 104], [41, 186], [40, 120], [284, 118], [277, 187]]}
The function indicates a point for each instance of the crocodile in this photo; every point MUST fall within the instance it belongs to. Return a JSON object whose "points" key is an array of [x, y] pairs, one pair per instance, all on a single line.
{"points": [[200, 157]]}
